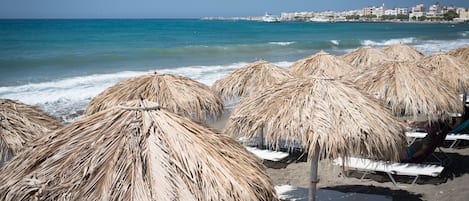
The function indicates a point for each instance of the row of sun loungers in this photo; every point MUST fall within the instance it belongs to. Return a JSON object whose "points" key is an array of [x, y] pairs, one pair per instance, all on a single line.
{"points": [[391, 168], [454, 137]]}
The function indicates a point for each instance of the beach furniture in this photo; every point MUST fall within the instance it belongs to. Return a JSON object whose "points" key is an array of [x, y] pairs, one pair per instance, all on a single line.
{"points": [[390, 168], [265, 154], [454, 137]]}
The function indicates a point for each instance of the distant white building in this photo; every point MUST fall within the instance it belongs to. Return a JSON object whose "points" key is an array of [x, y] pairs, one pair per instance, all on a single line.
{"points": [[434, 11], [418, 11], [296, 15], [378, 11], [463, 15], [390, 12], [397, 11], [418, 8], [402, 11], [354, 12]]}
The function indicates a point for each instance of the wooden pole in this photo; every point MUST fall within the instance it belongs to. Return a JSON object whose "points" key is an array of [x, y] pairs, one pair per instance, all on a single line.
{"points": [[314, 175], [260, 141]]}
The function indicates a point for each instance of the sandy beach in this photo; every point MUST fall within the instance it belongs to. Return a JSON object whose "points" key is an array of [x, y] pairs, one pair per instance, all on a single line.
{"points": [[449, 186]]}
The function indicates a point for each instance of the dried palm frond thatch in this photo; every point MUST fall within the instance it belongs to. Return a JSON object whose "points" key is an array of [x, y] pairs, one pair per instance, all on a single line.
{"points": [[402, 52], [175, 93], [408, 90], [321, 64], [249, 79], [319, 112], [365, 57], [326, 118], [462, 53], [135, 152], [21, 124], [449, 68]]}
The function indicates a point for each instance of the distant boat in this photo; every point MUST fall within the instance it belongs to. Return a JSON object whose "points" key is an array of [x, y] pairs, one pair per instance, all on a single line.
{"points": [[269, 18]]}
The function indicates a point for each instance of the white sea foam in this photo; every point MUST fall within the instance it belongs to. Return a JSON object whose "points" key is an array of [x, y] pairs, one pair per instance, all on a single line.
{"points": [[282, 43], [428, 47], [70, 88], [434, 46], [464, 33], [334, 42], [409, 40], [69, 96], [283, 64]]}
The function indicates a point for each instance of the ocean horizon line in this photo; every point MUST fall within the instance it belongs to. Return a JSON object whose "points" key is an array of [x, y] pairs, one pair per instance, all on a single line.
{"points": [[103, 18], [232, 19]]}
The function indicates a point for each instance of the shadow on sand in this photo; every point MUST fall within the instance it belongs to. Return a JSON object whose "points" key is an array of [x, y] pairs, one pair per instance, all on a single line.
{"points": [[394, 194], [351, 192]]}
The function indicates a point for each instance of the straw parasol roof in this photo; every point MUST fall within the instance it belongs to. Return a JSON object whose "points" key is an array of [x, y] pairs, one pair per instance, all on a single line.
{"points": [[175, 93], [402, 52], [249, 79], [319, 64], [408, 90], [327, 118], [135, 152], [365, 57], [20, 124], [462, 53], [319, 112], [449, 68]]}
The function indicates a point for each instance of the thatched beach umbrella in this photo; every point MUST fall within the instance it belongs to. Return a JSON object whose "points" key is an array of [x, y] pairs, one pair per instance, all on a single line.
{"points": [[175, 93], [321, 64], [249, 79], [136, 151], [402, 52], [325, 117], [20, 124], [365, 57], [408, 90], [462, 53], [449, 68]]}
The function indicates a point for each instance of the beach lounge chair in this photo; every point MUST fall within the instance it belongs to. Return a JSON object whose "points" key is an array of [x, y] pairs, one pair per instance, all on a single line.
{"points": [[265, 154], [390, 168], [454, 135]]}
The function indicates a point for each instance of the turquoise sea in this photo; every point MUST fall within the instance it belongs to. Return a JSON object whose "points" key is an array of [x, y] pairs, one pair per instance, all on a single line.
{"points": [[60, 65]]}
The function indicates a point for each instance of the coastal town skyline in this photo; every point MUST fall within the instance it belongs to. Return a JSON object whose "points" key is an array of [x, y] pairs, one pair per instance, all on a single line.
{"points": [[189, 9]]}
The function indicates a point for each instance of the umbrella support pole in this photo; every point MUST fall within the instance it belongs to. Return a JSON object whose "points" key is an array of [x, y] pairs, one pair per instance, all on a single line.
{"points": [[314, 175], [260, 140]]}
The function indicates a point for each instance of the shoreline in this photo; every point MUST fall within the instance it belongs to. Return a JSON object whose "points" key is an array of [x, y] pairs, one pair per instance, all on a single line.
{"points": [[332, 21]]}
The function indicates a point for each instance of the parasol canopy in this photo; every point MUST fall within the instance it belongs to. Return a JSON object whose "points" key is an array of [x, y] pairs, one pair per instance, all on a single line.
{"points": [[321, 113], [408, 91], [365, 57], [21, 124], [462, 53], [449, 68], [177, 94], [249, 79], [402, 52], [321, 64], [135, 151]]}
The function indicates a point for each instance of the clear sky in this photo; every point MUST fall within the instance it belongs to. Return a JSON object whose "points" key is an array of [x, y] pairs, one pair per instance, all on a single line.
{"points": [[188, 8]]}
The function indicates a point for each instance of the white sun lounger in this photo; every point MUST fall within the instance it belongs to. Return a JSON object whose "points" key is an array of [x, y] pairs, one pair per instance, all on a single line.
{"points": [[265, 154], [391, 168], [456, 138]]}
